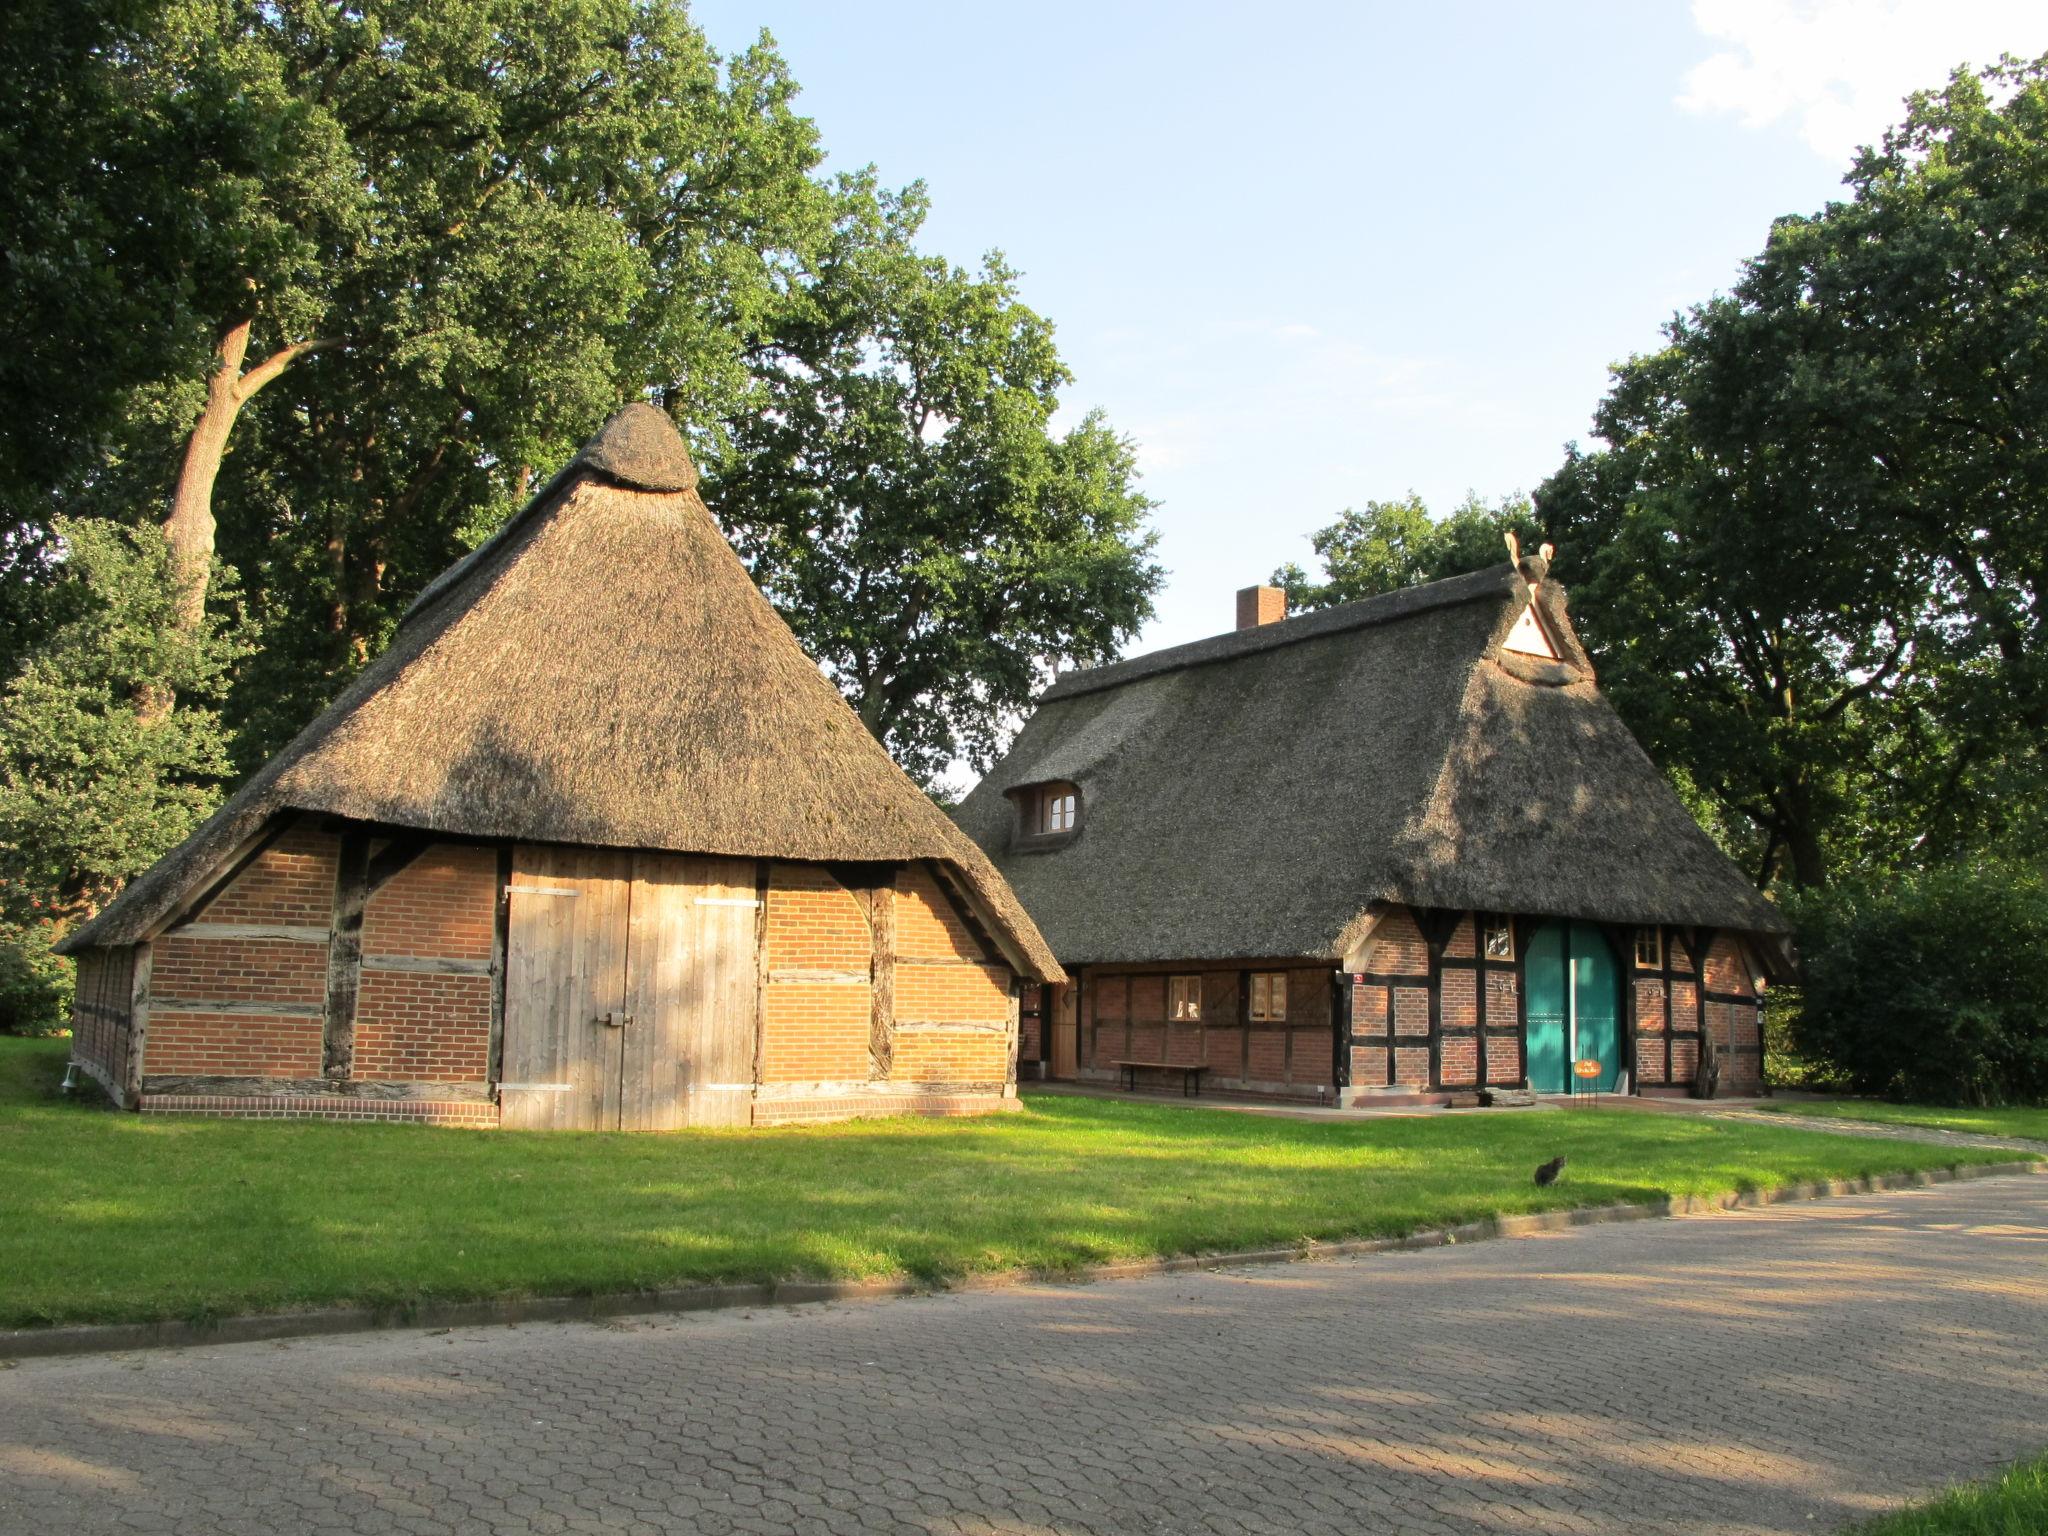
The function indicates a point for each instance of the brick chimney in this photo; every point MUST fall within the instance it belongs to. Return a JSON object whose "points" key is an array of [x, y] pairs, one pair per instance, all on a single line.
{"points": [[1260, 605]]}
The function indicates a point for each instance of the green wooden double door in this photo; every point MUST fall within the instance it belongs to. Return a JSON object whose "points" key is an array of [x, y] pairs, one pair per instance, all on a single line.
{"points": [[1574, 1008]]}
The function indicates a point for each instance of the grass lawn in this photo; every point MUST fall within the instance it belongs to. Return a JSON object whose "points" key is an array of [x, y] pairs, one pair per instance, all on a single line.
{"points": [[107, 1216], [1986, 1122], [2014, 1505]]}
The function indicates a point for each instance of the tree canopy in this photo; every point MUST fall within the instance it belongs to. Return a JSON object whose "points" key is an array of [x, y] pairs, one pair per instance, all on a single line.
{"points": [[1809, 552], [906, 500], [1393, 544], [350, 281]]}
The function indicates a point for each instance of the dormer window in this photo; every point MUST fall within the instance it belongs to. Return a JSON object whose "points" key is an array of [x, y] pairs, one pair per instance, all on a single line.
{"points": [[1056, 808], [1048, 810]]}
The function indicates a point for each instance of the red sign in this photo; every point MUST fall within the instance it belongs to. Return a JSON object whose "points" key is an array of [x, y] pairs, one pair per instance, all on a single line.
{"points": [[1590, 1067]]}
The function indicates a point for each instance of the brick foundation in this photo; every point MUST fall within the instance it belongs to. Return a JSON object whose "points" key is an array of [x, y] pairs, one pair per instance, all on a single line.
{"points": [[464, 1112]]}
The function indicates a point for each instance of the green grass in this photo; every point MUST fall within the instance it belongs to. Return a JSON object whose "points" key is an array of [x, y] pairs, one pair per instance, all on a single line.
{"points": [[2013, 1505], [107, 1216], [1986, 1122]]}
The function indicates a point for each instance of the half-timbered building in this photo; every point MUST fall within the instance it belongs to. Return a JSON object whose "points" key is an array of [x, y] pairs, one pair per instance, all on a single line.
{"points": [[593, 844], [1395, 848]]}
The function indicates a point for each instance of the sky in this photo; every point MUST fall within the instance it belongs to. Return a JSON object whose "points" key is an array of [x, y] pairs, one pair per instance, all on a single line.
{"points": [[1307, 255]]}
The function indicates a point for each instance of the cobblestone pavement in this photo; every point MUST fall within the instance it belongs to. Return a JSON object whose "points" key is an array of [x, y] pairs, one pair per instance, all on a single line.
{"points": [[1782, 1369]]}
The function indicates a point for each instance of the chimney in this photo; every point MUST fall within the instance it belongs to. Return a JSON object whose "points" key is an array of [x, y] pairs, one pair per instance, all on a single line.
{"points": [[1260, 605]]}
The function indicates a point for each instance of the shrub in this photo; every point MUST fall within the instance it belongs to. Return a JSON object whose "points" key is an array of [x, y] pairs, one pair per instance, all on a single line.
{"points": [[35, 985], [1931, 987]]}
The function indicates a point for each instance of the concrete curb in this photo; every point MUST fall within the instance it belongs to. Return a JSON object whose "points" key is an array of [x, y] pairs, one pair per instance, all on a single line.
{"points": [[106, 1338]]}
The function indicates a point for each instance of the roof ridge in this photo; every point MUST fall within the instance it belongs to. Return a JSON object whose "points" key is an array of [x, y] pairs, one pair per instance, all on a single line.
{"points": [[1385, 607]]}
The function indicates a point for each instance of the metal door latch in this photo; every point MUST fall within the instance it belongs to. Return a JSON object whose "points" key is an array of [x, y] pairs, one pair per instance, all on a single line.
{"points": [[613, 1020]]}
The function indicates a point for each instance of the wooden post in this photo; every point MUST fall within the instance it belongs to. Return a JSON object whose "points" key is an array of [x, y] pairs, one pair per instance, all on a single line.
{"points": [[138, 1029], [1481, 976], [1016, 1027], [882, 978], [1340, 1032], [761, 884], [345, 957], [500, 925]]}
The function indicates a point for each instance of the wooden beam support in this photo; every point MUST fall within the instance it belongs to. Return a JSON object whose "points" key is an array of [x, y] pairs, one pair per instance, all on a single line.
{"points": [[501, 919], [882, 983], [345, 957], [130, 1096], [393, 857], [240, 860]]}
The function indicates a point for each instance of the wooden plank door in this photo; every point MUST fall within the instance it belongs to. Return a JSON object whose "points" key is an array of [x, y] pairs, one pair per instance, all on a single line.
{"points": [[692, 993], [565, 989], [1066, 1035]]}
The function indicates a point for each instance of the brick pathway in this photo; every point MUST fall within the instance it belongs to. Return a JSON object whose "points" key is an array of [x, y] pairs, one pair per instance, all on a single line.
{"points": [[1774, 1370]]}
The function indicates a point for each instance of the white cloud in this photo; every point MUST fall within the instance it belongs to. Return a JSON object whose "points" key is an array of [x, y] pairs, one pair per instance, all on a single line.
{"points": [[1840, 69]]}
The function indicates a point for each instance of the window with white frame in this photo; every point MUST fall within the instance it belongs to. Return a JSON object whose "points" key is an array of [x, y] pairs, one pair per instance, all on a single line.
{"points": [[1052, 809], [1499, 939]]}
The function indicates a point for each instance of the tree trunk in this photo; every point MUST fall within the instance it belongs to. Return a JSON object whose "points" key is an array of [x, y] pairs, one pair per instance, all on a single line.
{"points": [[189, 527]]}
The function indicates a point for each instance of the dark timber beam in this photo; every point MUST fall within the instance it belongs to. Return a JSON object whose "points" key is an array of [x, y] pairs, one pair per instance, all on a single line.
{"points": [[394, 856], [882, 983], [345, 957]]}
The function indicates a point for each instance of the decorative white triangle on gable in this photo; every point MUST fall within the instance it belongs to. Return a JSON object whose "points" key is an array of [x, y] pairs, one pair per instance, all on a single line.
{"points": [[1528, 637]]}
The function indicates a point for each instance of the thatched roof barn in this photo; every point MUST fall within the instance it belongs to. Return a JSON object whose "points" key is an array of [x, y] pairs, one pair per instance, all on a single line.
{"points": [[1421, 765], [602, 674]]}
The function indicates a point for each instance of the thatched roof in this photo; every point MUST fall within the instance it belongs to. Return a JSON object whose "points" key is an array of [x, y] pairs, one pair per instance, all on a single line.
{"points": [[1253, 795], [603, 672]]}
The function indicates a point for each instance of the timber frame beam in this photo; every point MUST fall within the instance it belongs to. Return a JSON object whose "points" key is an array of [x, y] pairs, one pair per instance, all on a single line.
{"points": [[358, 875]]}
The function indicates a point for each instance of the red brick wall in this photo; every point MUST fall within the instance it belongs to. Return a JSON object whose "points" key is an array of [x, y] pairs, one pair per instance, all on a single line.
{"points": [[190, 1042], [411, 1024], [441, 906], [291, 883], [1503, 1013], [414, 1027], [1650, 1042], [952, 1005], [1397, 947], [192, 967], [817, 1029], [429, 1026]]}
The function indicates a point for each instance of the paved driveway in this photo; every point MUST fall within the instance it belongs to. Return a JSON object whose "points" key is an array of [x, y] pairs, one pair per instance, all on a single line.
{"points": [[1775, 1370]]}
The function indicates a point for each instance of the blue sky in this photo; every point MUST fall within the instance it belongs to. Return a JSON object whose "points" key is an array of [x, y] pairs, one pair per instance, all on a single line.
{"points": [[1311, 254]]}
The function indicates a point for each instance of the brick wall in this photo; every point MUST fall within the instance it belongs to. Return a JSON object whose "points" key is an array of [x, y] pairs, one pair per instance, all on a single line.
{"points": [[287, 889], [291, 883], [817, 1027], [419, 1025], [1398, 948], [952, 1003], [1503, 1026]]}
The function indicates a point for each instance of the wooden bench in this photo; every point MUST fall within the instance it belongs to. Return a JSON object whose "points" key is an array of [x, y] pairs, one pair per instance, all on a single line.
{"points": [[1191, 1074]]}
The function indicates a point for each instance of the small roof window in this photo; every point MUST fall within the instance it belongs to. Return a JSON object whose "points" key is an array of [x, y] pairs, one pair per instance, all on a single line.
{"points": [[1048, 810]]}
